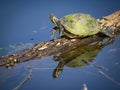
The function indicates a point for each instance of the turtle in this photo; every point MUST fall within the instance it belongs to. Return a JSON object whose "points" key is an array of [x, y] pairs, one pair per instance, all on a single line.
{"points": [[77, 25]]}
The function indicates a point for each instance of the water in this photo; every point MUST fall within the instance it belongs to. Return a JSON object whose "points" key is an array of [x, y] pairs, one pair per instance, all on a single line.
{"points": [[27, 22]]}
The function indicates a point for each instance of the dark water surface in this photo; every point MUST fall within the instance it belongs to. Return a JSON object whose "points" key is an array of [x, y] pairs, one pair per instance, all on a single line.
{"points": [[26, 22]]}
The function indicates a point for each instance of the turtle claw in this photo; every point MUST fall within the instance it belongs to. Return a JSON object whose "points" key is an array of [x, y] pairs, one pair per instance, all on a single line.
{"points": [[60, 33]]}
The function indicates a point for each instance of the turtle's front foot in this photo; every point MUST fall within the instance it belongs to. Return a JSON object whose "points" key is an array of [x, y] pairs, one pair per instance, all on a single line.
{"points": [[54, 30]]}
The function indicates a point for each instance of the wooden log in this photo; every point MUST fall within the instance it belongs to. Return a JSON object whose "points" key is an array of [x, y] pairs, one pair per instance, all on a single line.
{"points": [[51, 47]]}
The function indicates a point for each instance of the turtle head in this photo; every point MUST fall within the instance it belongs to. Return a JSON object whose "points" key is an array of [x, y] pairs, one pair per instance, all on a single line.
{"points": [[58, 25], [54, 19]]}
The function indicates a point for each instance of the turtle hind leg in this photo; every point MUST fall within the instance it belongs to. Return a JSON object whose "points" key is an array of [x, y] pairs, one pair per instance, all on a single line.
{"points": [[108, 32]]}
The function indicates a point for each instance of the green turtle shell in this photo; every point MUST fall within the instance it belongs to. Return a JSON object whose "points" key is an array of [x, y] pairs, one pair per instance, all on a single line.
{"points": [[80, 24]]}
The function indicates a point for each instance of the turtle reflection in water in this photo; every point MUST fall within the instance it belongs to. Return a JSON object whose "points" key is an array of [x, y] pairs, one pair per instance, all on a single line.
{"points": [[78, 57]]}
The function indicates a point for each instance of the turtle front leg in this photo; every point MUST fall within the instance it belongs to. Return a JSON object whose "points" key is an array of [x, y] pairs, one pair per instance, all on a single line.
{"points": [[61, 28], [54, 30]]}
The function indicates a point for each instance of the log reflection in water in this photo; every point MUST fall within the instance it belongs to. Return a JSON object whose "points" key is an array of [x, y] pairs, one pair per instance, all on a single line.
{"points": [[79, 56]]}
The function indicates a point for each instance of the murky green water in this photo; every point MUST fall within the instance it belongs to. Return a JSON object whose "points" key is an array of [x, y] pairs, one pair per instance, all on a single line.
{"points": [[24, 23]]}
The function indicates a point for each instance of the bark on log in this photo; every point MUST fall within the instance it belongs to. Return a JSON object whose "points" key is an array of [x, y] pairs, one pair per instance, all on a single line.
{"points": [[60, 44]]}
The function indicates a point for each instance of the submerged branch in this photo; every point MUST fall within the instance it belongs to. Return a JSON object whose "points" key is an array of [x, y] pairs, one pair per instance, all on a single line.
{"points": [[51, 47], [25, 79]]}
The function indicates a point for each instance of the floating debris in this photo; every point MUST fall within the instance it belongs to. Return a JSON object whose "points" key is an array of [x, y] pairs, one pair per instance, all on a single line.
{"points": [[43, 27], [34, 31], [110, 78], [1, 48], [25, 79], [31, 38], [19, 47], [113, 50], [100, 67], [84, 87], [94, 65]]}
